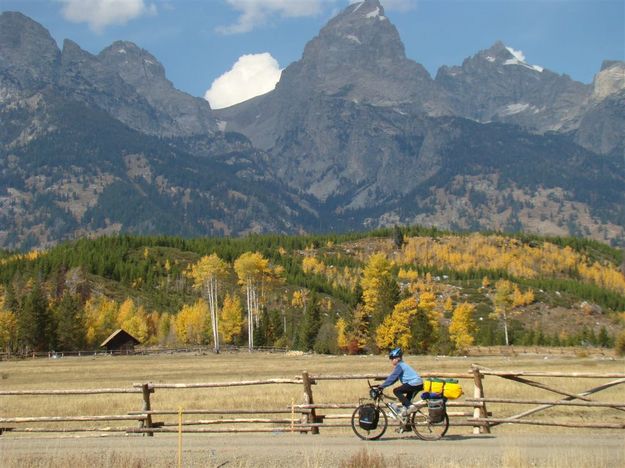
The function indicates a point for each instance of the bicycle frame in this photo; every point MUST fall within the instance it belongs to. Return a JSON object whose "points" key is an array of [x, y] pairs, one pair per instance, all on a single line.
{"points": [[414, 420]]}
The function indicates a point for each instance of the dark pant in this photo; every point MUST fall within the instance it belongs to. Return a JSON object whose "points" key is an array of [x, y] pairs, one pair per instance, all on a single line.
{"points": [[405, 392]]}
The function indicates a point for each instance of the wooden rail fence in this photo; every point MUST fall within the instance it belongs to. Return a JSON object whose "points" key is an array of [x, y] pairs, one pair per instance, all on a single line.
{"points": [[309, 416]]}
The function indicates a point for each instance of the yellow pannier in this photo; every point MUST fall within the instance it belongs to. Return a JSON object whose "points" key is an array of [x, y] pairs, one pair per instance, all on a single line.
{"points": [[450, 388]]}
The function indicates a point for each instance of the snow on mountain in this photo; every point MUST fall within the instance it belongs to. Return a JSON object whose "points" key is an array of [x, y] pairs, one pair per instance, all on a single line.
{"points": [[519, 59]]}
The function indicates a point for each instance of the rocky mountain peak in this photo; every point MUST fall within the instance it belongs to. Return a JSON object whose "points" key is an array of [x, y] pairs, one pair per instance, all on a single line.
{"points": [[28, 53], [500, 56], [360, 57], [610, 80], [134, 64]]}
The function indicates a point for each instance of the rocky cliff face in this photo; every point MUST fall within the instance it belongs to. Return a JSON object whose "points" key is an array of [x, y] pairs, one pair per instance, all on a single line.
{"points": [[123, 80], [601, 126], [29, 57]]}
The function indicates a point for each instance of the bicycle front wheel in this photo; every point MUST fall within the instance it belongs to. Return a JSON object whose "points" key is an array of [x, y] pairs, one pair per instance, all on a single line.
{"points": [[427, 430], [369, 434]]}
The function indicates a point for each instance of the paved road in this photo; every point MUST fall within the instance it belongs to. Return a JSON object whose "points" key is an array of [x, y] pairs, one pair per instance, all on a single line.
{"points": [[295, 450]]}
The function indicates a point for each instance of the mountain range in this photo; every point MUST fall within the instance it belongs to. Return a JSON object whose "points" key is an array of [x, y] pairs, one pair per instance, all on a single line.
{"points": [[355, 135]]}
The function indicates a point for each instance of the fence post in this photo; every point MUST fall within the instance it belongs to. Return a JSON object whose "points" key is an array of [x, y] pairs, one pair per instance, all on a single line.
{"points": [[479, 410], [311, 416], [147, 389]]}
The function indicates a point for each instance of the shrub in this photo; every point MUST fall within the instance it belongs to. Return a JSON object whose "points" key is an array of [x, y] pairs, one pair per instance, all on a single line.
{"points": [[364, 458], [619, 345]]}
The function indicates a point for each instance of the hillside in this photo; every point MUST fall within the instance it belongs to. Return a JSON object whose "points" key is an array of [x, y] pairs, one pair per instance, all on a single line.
{"points": [[358, 292]]}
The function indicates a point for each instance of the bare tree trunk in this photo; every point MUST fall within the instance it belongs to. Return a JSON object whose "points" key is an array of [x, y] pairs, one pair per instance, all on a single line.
{"points": [[215, 316], [505, 328], [250, 323]]}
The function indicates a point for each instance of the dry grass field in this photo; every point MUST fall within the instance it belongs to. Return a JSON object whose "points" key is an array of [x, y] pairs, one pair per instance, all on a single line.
{"points": [[123, 372]]}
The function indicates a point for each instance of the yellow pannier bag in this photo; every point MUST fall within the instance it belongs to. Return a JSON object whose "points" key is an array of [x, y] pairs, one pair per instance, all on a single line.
{"points": [[450, 388]]}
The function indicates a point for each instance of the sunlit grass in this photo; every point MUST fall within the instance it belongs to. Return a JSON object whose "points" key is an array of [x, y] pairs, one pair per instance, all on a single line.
{"points": [[124, 371]]}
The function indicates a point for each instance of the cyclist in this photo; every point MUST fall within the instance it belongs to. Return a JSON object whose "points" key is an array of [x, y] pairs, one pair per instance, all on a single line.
{"points": [[411, 381]]}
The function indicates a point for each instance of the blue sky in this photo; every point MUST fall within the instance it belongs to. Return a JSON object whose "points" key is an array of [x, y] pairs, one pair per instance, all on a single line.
{"points": [[198, 41]]}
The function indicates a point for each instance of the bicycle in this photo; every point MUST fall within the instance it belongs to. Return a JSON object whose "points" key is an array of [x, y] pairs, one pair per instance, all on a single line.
{"points": [[376, 415]]}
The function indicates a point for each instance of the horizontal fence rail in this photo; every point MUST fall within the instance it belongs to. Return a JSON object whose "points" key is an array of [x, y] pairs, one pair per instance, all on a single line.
{"points": [[309, 416]]}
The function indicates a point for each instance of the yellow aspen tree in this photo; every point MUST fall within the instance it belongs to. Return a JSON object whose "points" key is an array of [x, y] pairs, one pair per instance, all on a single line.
{"points": [[520, 299], [231, 323], [360, 329], [250, 269], [380, 292], [191, 323], [207, 274], [503, 304], [312, 265], [462, 327], [136, 323], [100, 319], [8, 329], [395, 329], [342, 340], [125, 312], [299, 298]]}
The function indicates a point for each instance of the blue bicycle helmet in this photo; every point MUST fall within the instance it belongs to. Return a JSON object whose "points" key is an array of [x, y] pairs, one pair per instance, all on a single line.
{"points": [[396, 353]]}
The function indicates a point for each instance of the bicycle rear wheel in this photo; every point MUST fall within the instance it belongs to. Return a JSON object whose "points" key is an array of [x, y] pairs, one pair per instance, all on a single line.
{"points": [[369, 434], [426, 430]]}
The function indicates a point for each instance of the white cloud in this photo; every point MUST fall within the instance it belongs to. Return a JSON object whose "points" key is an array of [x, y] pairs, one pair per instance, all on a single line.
{"points": [[102, 13], [252, 75], [257, 12]]}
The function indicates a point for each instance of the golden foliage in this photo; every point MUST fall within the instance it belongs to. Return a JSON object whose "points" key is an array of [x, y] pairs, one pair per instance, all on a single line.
{"points": [[100, 318], [342, 340], [375, 284], [395, 329], [462, 327], [192, 322], [207, 268], [8, 328], [231, 323], [523, 260]]}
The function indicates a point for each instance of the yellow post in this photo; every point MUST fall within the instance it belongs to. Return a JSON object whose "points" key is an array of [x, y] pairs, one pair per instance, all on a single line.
{"points": [[180, 437]]}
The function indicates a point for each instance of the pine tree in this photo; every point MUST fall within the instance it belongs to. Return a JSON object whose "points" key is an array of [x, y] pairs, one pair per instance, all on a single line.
{"points": [[424, 334], [35, 324], [398, 237], [70, 323], [310, 325]]}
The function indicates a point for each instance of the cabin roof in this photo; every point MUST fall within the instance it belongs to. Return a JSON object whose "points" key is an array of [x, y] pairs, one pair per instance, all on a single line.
{"points": [[119, 334]]}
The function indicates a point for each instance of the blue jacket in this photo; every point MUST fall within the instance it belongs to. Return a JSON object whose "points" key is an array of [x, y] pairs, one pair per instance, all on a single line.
{"points": [[405, 374]]}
